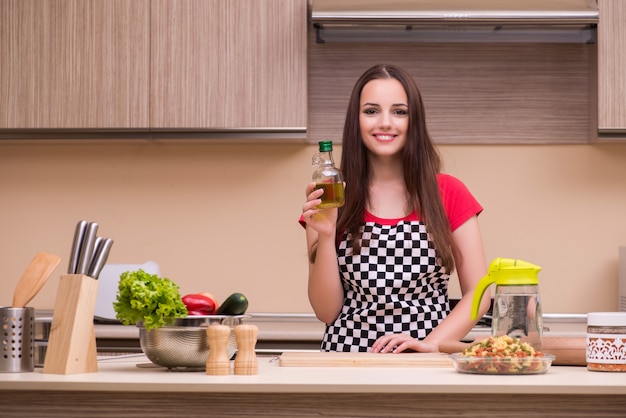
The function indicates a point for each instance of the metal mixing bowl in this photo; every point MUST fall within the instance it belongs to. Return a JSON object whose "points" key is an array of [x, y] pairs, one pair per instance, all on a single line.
{"points": [[184, 343]]}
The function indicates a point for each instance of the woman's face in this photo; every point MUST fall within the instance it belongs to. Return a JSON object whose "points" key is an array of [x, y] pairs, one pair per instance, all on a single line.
{"points": [[384, 116]]}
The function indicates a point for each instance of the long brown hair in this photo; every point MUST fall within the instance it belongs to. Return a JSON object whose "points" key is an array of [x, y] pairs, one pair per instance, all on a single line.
{"points": [[421, 164]]}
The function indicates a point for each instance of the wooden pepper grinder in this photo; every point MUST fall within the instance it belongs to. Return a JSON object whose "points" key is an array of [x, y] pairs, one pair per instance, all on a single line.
{"points": [[217, 362], [246, 361]]}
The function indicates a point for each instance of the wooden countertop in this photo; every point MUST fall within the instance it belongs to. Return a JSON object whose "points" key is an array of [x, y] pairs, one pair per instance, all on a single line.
{"points": [[123, 374], [121, 388]]}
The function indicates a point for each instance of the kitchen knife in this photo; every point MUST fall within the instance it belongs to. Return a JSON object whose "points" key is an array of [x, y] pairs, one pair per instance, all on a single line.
{"points": [[100, 258], [86, 250], [96, 247], [79, 233]]}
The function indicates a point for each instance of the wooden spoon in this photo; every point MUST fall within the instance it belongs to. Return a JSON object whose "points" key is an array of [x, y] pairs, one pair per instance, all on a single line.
{"points": [[34, 278]]}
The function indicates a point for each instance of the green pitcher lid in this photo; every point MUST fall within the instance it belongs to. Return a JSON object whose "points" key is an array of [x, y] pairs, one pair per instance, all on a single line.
{"points": [[504, 272], [507, 271]]}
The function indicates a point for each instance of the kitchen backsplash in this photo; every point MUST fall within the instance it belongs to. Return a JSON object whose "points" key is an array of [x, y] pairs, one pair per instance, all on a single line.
{"points": [[223, 218]]}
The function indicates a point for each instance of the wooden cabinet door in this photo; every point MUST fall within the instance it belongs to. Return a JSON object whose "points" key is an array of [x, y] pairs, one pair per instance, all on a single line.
{"points": [[222, 64], [74, 64], [612, 66]]}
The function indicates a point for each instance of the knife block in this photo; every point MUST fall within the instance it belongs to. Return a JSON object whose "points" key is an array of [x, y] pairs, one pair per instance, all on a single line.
{"points": [[72, 342]]}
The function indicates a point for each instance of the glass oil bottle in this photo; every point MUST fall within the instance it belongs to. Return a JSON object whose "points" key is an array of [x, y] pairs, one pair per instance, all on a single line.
{"points": [[328, 177]]}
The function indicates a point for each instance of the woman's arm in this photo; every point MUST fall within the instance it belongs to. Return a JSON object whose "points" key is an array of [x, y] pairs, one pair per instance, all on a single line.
{"points": [[471, 267], [324, 287]]}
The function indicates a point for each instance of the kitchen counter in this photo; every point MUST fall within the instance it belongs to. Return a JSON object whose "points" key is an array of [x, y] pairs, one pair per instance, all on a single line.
{"points": [[277, 332], [122, 388], [276, 327], [305, 328]]}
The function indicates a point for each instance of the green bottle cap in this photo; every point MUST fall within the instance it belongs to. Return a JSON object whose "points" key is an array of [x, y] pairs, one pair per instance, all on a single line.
{"points": [[326, 146]]}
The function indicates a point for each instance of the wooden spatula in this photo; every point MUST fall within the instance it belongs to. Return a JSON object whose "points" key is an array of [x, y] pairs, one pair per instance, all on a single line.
{"points": [[34, 278]]}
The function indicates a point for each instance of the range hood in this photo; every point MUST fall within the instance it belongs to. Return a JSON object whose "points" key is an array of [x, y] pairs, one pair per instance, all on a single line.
{"points": [[455, 20]]}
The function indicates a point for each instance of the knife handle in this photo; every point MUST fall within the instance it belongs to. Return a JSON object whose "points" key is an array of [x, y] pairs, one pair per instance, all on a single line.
{"points": [[86, 250], [100, 258], [79, 234], [96, 247]]}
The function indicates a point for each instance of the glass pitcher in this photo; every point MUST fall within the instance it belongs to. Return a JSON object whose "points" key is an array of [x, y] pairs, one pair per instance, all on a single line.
{"points": [[516, 304]]}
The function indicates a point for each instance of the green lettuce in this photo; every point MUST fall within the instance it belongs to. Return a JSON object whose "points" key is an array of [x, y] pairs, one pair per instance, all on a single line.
{"points": [[147, 298]]}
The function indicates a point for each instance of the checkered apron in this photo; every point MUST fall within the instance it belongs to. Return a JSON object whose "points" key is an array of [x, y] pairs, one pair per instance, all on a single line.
{"points": [[394, 285]]}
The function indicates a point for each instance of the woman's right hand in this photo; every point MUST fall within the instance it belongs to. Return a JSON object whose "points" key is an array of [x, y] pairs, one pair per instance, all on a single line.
{"points": [[325, 289], [323, 221]]}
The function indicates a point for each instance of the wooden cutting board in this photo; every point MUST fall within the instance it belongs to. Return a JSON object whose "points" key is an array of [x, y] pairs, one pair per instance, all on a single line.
{"points": [[324, 359]]}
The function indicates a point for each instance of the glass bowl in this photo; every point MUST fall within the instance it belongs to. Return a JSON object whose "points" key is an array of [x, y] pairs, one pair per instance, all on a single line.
{"points": [[502, 365]]}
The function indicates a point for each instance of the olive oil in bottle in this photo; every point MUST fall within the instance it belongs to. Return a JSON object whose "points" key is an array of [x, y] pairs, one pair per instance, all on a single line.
{"points": [[328, 177]]}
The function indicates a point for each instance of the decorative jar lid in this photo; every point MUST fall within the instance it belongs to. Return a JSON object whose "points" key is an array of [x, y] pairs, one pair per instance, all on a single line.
{"points": [[601, 319]]}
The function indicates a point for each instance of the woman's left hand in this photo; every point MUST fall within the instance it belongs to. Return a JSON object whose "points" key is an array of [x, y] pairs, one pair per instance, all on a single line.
{"points": [[397, 343]]}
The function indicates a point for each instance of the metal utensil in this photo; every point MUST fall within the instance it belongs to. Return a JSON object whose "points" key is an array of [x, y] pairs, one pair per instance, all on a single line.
{"points": [[89, 251], [100, 258], [96, 248], [86, 249], [77, 243], [34, 278]]}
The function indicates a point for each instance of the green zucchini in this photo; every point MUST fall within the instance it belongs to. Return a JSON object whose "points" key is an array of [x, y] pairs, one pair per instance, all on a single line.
{"points": [[235, 304]]}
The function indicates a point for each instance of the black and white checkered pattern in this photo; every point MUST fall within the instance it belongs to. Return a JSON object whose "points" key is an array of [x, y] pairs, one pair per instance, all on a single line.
{"points": [[394, 285]]}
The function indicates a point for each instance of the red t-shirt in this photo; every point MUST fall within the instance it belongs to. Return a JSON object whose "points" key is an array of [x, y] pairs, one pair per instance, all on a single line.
{"points": [[458, 203]]}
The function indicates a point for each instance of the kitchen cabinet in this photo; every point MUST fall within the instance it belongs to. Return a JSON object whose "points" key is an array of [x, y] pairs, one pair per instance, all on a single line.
{"points": [[217, 64], [474, 93], [148, 65], [74, 64], [612, 67]]}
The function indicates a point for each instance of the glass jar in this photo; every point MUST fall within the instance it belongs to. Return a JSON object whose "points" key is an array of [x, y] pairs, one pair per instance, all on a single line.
{"points": [[606, 341]]}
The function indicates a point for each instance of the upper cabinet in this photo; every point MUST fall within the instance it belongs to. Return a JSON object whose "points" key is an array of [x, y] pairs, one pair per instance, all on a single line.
{"points": [[612, 67], [228, 64], [153, 65], [474, 93], [74, 64]]}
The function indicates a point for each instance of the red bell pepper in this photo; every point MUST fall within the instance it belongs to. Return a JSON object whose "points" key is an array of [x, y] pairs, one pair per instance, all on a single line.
{"points": [[199, 305]]}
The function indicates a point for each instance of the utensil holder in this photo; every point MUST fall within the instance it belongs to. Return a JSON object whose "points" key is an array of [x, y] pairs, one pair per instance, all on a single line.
{"points": [[72, 342], [17, 327]]}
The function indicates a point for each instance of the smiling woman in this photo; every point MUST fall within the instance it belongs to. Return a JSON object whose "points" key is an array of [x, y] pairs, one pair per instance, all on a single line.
{"points": [[384, 118], [380, 265]]}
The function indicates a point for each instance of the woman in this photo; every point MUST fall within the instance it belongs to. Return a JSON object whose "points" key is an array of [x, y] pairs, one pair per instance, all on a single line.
{"points": [[379, 266]]}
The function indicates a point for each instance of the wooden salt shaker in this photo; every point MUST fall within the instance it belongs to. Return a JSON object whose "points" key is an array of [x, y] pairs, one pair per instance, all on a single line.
{"points": [[246, 361], [217, 362]]}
